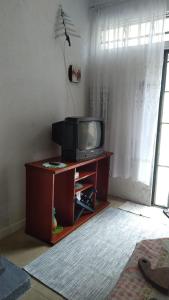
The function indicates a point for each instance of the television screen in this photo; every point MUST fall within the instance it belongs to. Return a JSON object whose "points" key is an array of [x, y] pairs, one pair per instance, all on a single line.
{"points": [[89, 135]]}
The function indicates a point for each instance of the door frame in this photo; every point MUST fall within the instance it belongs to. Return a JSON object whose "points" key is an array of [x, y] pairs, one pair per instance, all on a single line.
{"points": [[157, 147]]}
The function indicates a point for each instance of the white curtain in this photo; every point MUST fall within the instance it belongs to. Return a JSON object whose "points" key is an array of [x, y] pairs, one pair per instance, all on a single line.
{"points": [[126, 57]]}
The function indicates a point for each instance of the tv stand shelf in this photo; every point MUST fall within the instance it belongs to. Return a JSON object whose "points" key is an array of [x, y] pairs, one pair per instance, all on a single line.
{"points": [[49, 188], [83, 175], [84, 187]]}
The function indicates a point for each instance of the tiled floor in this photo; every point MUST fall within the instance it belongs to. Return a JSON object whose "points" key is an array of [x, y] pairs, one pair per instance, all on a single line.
{"points": [[22, 249]]}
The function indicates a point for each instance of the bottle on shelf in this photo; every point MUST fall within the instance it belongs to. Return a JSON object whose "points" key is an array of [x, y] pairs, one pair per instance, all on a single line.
{"points": [[56, 229], [54, 221]]}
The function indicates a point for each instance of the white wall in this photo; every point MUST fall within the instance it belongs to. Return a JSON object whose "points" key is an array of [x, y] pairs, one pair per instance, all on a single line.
{"points": [[34, 91]]}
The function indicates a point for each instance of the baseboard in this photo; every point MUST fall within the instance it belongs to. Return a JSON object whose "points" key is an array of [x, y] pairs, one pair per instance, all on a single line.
{"points": [[4, 232]]}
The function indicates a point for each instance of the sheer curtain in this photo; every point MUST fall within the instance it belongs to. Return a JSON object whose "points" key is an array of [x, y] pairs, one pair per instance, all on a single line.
{"points": [[126, 57]]}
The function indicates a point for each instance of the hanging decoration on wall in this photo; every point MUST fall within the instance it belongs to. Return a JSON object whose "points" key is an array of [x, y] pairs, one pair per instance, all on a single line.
{"points": [[65, 27], [74, 73]]}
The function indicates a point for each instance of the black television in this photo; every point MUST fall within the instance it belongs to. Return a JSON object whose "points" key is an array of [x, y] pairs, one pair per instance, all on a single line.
{"points": [[80, 138]]}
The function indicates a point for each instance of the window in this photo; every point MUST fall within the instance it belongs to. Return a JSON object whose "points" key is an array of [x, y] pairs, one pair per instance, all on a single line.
{"points": [[135, 34]]}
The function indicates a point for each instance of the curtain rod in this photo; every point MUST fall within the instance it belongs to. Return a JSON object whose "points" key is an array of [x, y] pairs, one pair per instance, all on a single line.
{"points": [[110, 3], [105, 4]]}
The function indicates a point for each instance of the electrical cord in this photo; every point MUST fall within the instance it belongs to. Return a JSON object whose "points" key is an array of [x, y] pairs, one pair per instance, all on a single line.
{"points": [[69, 92]]}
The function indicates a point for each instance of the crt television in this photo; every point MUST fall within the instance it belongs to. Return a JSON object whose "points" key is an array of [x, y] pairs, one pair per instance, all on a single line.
{"points": [[79, 137]]}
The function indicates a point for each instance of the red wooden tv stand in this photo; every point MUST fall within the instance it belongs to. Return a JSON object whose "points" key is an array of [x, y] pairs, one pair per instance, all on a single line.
{"points": [[48, 188]]}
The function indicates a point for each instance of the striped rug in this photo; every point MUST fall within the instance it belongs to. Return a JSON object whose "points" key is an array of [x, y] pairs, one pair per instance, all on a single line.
{"points": [[86, 264]]}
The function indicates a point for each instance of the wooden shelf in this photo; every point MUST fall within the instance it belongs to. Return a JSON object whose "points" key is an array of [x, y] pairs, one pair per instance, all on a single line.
{"points": [[84, 174], [68, 229], [49, 188], [85, 187]]}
